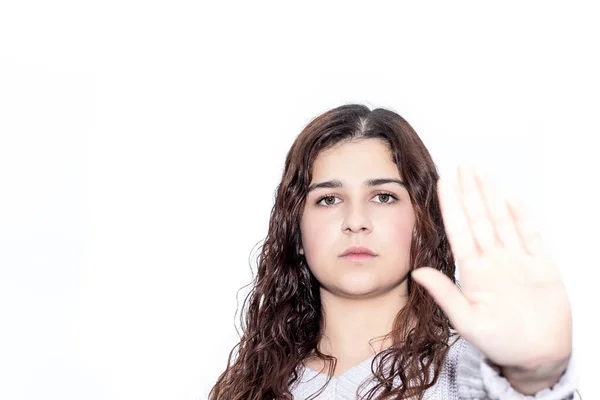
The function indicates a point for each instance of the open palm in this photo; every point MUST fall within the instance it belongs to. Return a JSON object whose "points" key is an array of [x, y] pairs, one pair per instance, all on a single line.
{"points": [[513, 306]]}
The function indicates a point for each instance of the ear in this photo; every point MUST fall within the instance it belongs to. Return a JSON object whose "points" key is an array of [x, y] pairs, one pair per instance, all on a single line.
{"points": [[299, 248]]}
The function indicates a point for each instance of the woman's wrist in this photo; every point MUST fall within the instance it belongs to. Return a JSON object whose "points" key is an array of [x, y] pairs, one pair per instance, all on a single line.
{"points": [[529, 381]]}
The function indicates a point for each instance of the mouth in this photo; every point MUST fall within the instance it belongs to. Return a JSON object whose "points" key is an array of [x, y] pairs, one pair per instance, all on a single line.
{"points": [[358, 256], [360, 251]]}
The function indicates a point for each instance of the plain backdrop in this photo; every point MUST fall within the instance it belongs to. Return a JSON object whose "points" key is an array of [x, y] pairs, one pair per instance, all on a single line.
{"points": [[141, 144]]}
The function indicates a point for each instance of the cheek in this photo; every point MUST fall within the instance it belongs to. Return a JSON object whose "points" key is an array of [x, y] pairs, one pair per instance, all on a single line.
{"points": [[402, 232], [316, 234], [399, 234]]}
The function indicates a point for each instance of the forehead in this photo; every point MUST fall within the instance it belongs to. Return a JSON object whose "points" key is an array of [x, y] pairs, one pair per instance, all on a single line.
{"points": [[355, 161]]}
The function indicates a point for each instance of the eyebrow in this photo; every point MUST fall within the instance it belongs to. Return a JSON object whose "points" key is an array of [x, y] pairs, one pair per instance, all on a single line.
{"points": [[335, 183]]}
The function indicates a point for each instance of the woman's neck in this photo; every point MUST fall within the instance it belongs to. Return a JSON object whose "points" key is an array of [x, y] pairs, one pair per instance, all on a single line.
{"points": [[356, 329]]}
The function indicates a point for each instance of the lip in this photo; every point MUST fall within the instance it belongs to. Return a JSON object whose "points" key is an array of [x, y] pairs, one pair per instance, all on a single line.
{"points": [[358, 257], [358, 252]]}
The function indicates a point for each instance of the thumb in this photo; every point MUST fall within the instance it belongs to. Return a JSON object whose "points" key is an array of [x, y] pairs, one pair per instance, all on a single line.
{"points": [[447, 295]]}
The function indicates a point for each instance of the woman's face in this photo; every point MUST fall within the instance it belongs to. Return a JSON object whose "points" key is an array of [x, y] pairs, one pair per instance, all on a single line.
{"points": [[355, 213]]}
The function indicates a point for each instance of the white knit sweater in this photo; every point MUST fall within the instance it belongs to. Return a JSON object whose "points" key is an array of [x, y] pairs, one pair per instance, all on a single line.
{"points": [[465, 374]]}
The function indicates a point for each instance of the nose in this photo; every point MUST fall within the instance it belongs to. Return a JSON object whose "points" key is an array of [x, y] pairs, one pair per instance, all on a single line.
{"points": [[356, 220]]}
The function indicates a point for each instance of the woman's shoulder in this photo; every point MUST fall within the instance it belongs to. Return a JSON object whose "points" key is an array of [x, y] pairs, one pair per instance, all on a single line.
{"points": [[457, 347]]}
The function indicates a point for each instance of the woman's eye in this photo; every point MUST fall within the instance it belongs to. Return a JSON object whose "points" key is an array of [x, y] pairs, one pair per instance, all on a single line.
{"points": [[385, 198], [329, 200]]}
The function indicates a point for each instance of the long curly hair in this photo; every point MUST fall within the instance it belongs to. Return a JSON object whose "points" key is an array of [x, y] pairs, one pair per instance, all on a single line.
{"points": [[282, 318]]}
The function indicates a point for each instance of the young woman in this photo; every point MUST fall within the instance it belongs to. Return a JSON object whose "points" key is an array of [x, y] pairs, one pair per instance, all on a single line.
{"points": [[355, 295]]}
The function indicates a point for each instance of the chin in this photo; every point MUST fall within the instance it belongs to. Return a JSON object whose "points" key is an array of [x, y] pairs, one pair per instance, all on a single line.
{"points": [[357, 294], [357, 285]]}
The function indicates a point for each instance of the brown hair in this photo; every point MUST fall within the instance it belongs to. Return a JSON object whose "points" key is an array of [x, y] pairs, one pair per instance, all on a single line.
{"points": [[283, 320]]}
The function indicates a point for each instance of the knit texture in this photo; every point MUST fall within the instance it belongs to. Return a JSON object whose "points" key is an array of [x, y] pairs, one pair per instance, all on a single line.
{"points": [[465, 374]]}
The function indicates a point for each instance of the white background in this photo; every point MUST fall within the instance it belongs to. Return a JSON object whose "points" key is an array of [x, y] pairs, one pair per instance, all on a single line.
{"points": [[141, 144]]}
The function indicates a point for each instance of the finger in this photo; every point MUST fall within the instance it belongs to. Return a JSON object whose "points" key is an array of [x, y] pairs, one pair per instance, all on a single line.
{"points": [[498, 210], [475, 209], [456, 225], [530, 237], [447, 295]]}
